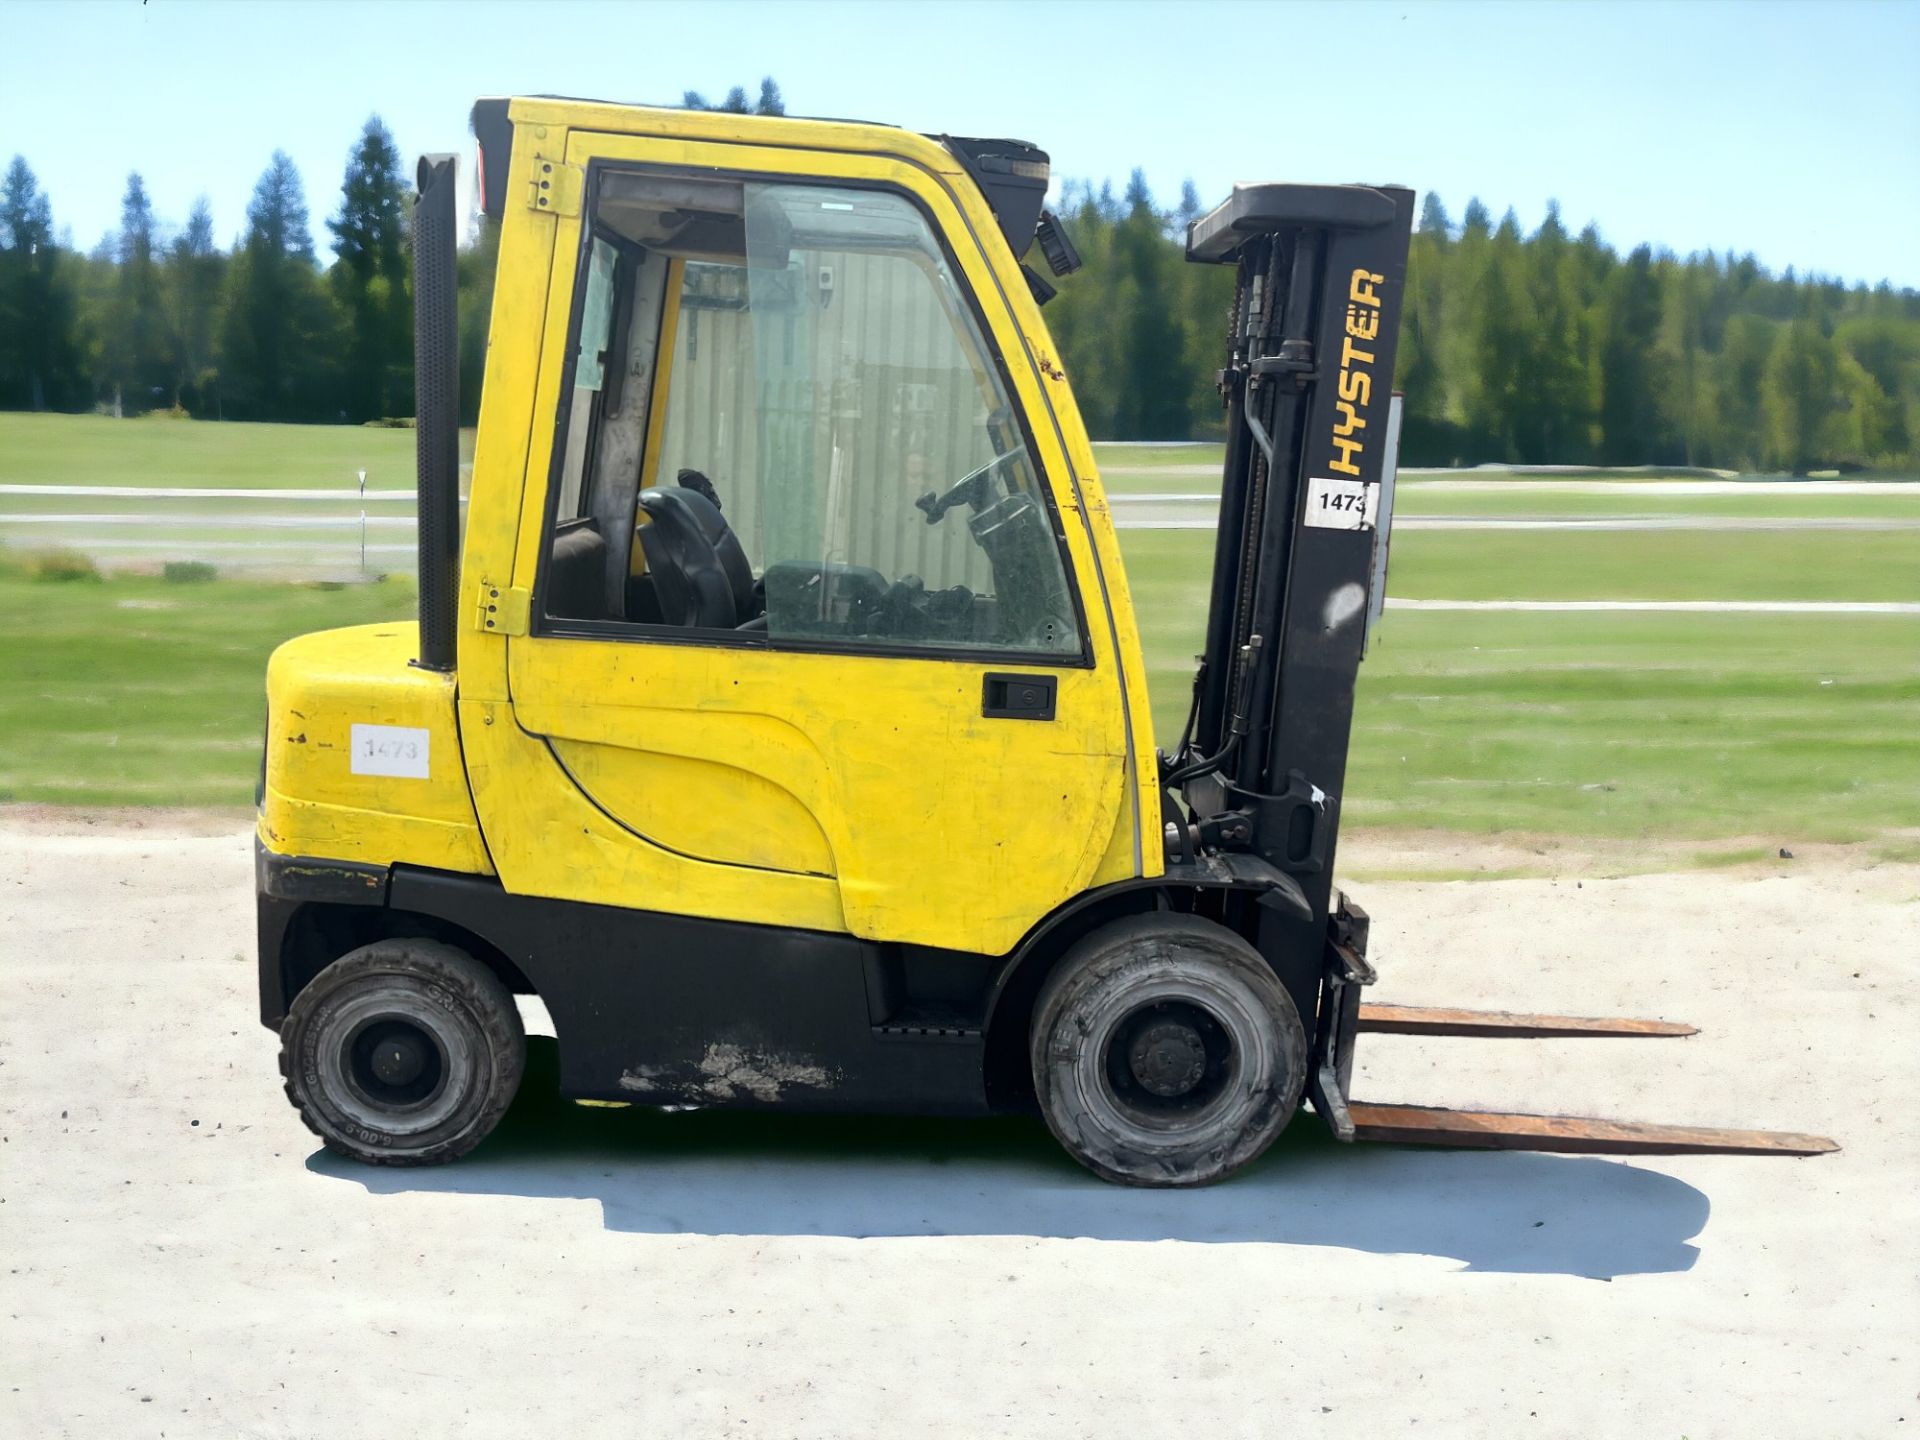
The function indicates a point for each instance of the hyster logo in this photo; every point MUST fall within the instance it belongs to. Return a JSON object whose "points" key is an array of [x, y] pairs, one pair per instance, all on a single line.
{"points": [[1356, 380]]}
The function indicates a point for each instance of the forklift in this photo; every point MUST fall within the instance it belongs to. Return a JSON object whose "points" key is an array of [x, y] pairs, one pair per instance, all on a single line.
{"points": [[776, 711]]}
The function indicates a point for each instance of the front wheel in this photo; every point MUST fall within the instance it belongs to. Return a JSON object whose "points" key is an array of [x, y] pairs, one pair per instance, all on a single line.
{"points": [[1166, 1052], [403, 1052]]}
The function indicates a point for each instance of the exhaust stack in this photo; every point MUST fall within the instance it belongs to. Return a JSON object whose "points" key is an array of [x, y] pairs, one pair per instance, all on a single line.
{"points": [[436, 396]]}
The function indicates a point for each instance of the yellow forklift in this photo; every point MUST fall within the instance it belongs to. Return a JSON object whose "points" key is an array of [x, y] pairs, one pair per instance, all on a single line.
{"points": [[776, 711]]}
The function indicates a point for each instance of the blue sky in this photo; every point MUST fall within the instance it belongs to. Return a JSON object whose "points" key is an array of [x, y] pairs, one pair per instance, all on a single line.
{"points": [[1792, 130]]}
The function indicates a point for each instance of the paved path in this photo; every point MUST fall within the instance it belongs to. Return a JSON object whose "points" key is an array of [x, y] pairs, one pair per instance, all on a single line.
{"points": [[182, 1257]]}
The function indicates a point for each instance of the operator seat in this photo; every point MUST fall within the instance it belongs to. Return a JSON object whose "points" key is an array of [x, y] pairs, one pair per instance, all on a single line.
{"points": [[700, 572]]}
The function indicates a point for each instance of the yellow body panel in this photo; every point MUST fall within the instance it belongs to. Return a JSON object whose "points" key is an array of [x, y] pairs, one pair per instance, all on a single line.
{"points": [[319, 800], [819, 790], [692, 806], [943, 828]]}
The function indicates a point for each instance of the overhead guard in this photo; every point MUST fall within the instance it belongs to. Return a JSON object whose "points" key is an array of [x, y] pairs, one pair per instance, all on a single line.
{"points": [[1216, 237]]}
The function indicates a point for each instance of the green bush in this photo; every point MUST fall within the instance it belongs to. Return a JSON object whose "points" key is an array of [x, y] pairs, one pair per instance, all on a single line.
{"points": [[61, 565], [187, 572]]}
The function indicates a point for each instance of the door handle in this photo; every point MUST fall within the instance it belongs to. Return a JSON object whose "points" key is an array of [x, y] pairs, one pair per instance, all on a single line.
{"points": [[1019, 697]]}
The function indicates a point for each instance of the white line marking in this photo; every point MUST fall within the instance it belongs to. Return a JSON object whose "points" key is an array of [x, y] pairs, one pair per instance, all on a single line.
{"points": [[218, 521], [1715, 607], [1600, 524], [187, 549], [183, 492], [1649, 522], [1819, 488]]}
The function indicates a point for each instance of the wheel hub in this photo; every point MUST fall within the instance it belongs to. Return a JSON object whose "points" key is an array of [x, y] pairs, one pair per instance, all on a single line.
{"points": [[399, 1059], [1168, 1058], [394, 1063]]}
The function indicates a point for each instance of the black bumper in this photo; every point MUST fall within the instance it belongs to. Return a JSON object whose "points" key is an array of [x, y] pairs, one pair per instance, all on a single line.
{"points": [[281, 885]]}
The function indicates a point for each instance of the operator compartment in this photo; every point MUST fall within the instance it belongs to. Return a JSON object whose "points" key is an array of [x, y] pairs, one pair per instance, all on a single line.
{"points": [[785, 423], [363, 756]]}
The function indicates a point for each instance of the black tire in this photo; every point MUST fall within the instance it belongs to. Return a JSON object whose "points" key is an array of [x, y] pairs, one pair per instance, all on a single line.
{"points": [[403, 1052], [1166, 1052]]}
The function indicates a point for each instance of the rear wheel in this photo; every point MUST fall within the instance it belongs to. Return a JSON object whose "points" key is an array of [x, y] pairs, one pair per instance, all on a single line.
{"points": [[1166, 1052], [403, 1052]]}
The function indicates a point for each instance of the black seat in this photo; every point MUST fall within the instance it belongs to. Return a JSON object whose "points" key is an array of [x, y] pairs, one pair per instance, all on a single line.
{"points": [[700, 571], [576, 583]]}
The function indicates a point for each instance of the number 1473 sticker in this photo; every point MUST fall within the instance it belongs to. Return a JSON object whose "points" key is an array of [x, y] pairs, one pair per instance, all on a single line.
{"points": [[1341, 504]]}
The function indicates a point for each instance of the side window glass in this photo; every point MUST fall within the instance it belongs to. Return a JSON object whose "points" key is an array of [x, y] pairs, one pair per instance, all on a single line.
{"points": [[589, 375], [834, 387], [830, 453]]}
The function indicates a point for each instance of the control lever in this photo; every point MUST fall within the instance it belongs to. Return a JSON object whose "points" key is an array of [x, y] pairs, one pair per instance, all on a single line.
{"points": [[971, 487]]}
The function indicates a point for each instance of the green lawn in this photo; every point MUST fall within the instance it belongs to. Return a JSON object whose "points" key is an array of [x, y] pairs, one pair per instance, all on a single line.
{"points": [[1656, 565], [1156, 457], [1195, 470], [1641, 724], [155, 450], [134, 690], [1412, 499], [1609, 724]]}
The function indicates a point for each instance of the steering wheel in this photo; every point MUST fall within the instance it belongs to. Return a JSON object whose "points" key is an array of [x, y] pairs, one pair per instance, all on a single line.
{"points": [[971, 487]]}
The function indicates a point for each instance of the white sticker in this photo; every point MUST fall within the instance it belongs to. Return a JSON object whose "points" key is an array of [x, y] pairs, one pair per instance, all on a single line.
{"points": [[1341, 504], [396, 750]]}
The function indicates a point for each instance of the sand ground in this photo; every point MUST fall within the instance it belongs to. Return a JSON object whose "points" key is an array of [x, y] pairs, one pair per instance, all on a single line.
{"points": [[181, 1259]]}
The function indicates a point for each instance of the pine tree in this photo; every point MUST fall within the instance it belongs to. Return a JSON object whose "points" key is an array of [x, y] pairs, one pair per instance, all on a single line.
{"points": [[277, 348], [1420, 372], [1629, 369], [1502, 342], [192, 306], [1551, 413], [1800, 388], [40, 362], [370, 278], [136, 334], [1152, 403], [1886, 351], [1188, 212], [1741, 368], [474, 296], [1686, 292], [770, 101]]}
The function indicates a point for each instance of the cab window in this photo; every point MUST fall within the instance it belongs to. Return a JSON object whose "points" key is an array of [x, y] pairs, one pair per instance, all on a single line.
{"points": [[784, 422]]}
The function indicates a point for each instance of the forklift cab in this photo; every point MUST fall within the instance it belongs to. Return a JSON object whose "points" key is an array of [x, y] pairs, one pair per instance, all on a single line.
{"points": [[870, 668]]}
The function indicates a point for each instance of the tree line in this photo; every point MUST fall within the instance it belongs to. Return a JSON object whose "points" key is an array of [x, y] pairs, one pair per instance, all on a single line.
{"points": [[160, 318], [156, 317], [1546, 347], [1533, 348]]}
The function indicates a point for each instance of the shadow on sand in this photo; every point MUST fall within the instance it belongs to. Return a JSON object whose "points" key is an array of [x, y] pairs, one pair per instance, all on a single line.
{"points": [[732, 1173]]}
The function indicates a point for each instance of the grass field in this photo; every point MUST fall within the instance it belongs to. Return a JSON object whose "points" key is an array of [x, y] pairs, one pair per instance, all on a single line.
{"points": [[139, 692], [135, 690], [1601, 724], [97, 450]]}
